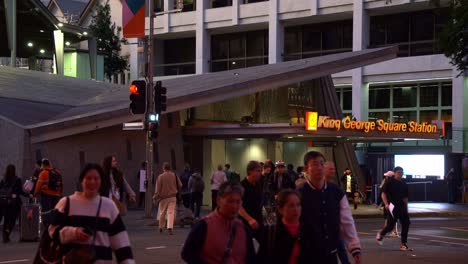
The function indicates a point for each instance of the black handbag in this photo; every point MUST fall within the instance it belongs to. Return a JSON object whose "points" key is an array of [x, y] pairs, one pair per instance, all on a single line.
{"points": [[83, 253], [51, 251]]}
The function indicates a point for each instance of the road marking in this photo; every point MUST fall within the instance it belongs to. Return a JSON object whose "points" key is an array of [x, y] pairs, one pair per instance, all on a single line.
{"points": [[452, 243], [160, 247], [14, 261], [463, 229], [364, 233], [446, 237]]}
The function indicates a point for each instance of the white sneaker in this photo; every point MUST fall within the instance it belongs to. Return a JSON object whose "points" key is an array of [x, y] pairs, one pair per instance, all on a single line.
{"points": [[379, 239]]}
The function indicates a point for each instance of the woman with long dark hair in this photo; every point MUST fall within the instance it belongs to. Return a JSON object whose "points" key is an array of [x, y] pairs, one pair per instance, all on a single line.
{"points": [[282, 243], [87, 220], [114, 184], [10, 201]]}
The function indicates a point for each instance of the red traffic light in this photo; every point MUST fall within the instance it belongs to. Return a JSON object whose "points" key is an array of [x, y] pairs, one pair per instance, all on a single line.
{"points": [[134, 89]]}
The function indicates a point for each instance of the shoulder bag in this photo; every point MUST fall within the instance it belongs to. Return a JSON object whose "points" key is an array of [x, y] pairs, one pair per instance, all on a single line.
{"points": [[84, 253], [228, 250]]}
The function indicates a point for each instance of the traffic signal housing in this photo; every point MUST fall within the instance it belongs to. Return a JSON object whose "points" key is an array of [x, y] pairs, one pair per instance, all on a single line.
{"points": [[138, 97], [152, 126], [160, 97]]}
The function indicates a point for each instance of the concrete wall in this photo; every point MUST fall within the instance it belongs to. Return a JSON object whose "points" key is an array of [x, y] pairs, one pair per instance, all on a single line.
{"points": [[69, 154], [13, 150]]}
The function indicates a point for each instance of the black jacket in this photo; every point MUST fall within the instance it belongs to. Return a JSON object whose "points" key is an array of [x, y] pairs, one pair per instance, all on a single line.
{"points": [[17, 190], [277, 244]]}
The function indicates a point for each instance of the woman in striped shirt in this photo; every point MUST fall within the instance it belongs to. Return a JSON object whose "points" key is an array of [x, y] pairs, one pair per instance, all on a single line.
{"points": [[73, 228]]}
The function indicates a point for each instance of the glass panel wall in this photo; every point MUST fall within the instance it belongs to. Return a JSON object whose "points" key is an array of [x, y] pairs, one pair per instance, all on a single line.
{"points": [[179, 57], [317, 39], [421, 102], [414, 32], [239, 50]]}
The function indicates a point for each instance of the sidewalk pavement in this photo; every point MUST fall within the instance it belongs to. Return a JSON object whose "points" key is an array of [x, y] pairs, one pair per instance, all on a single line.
{"points": [[427, 209]]}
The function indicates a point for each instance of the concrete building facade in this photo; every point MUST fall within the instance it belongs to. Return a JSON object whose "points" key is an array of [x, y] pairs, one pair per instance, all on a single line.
{"points": [[420, 85]]}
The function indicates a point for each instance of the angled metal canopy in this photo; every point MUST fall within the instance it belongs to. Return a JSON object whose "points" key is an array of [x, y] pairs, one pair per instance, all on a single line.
{"points": [[109, 107]]}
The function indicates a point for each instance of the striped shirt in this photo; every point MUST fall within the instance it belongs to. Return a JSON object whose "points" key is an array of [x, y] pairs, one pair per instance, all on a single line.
{"points": [[111, 235]]}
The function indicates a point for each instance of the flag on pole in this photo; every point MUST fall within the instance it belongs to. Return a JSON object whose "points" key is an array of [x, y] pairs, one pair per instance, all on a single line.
{"points": [[133, 18]]}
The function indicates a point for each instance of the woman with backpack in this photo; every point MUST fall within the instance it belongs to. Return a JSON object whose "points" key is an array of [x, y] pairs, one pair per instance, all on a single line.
{"points": [[10, 201]]}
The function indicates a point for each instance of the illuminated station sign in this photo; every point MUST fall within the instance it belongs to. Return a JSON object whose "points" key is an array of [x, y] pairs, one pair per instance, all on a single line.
{"points": [[314, 121]]}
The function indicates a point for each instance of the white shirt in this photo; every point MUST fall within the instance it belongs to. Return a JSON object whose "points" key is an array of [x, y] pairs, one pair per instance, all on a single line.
{"points": [[142, 180], [218, 178], [348, 183]]}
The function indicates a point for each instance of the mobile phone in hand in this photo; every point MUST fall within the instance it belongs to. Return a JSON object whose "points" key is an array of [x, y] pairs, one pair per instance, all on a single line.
{"points": [[88, 231]]}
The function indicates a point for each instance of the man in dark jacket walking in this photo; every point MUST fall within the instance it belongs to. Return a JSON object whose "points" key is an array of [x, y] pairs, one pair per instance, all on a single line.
{"points": [[196, 187]]}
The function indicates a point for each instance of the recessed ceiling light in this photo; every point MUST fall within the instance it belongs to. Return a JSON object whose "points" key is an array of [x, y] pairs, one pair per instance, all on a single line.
{"points": [[30, 44], [290, 137], [67, 43], [42, 31], [42, 51], [300, 135], [60, 25], [85, 33]]}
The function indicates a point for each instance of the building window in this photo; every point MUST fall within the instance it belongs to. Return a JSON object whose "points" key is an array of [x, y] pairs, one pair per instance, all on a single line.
{"points": [[404, 96], [429, 95], [252, 1], [239, 50], [421, 102], [179, 57], [345, 98], [379, 115], [220, 3], [405, 116], [379, 98], [188, 5], [317, 40], [446, 94], [413, 32]]}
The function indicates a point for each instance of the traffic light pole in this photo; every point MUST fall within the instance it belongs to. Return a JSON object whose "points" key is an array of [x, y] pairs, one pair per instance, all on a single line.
{"points": [[149, 109]]}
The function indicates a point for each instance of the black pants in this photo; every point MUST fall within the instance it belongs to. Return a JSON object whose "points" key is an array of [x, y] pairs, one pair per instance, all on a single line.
{"points": [[9, 214], [196, 200], [48, 202], [141, 199], [399, 213], [214, 195]]}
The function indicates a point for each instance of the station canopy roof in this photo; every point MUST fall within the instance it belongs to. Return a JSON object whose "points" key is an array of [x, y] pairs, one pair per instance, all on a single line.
{"points": [[61, 106], [36, 25]]}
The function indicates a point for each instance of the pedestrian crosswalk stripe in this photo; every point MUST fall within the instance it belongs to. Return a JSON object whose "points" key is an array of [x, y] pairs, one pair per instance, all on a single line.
{"points": [[14, 261], [452, 243]]}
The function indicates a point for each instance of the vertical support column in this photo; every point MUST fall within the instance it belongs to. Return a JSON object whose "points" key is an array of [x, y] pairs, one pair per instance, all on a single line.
{"points": [[92, 46], [203, 40], [313, 7], [58, 43], [360, 40], [10, 14], [459, 113], [275, 34], [235, 12], [168, 5]]}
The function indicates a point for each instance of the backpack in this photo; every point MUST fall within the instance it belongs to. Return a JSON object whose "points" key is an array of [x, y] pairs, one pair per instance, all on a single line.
{"points": [[6, 192], [235, 177], [55, 180]]}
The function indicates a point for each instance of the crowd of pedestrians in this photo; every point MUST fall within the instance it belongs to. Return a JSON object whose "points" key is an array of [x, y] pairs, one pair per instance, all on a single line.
{"points": [[273, 215], [278, 221]]}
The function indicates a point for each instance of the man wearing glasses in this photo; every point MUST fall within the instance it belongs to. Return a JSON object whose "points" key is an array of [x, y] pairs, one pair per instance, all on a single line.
{"points": [[395, 198]]}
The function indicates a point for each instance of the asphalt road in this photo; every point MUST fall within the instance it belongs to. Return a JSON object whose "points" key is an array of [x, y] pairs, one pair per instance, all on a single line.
{"points": [[434, 240]]}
